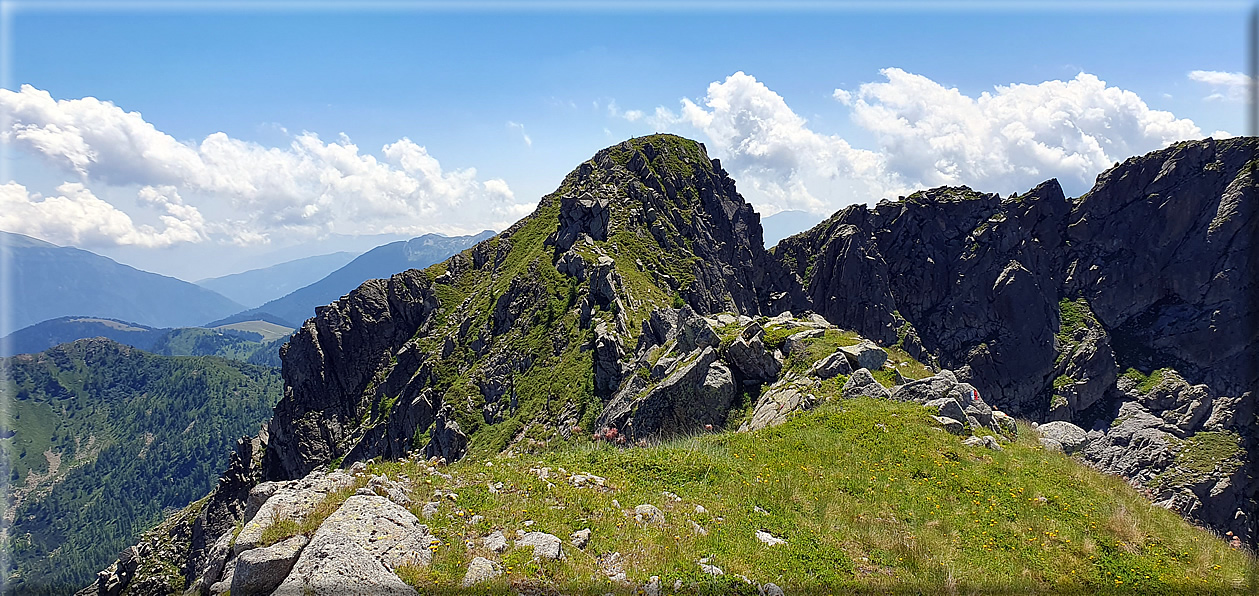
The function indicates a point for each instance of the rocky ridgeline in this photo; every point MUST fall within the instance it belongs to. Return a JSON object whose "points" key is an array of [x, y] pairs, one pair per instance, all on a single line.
{"points": [[601, 312], [699, 363], [1043, 302]]}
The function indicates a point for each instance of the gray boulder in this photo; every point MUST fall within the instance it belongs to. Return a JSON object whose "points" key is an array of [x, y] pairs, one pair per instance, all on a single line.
{"points": [[796, 342], [952, 425], [698, 392], [985, 441], [862, 384], [479, 570], [545, 546], [333, 565], [751, 358], [831, 366], [648, 514], [790, 395], [927, 389], [382, 528], [865, 354], [947, 407], [289, 502], [260, 571], [495, 542], [1071, 437]]}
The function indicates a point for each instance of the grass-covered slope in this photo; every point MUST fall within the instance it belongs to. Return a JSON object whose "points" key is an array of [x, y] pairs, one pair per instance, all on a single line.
{"points": [[496, 338], [100, 440], [869, 495]]}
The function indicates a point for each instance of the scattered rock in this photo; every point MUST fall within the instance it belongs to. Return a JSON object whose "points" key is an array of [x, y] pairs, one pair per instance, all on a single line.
{"points": [[580, 538], [768, 538], [865, 354], [831, 366], [496, 541], [262, 570], [951, 424], [545, 546], [985, 441], [948, 408], [648, 514], [1071, 437], [862, 384], [479, 570], [334, 565]]}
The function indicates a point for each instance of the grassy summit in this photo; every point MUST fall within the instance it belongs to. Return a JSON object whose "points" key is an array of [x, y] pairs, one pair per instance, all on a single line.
{"points": [[868, 494]]}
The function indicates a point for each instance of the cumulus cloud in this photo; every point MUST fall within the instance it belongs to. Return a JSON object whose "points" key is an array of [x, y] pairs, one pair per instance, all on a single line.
{"points": [[925, 134], [1228, 86], [1013, 137], [76, 216], [310, 186], [778, 159]]}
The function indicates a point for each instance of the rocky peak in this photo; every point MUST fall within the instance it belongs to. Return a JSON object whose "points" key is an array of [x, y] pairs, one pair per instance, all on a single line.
{"points": [[1039, 300]]}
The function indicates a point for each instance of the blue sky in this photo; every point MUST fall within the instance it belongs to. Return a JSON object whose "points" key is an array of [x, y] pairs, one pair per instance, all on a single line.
{"points": [[468, 88]]}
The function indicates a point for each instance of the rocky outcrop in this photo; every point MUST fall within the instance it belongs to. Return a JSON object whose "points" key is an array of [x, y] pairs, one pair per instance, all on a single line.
{"points": [[794, 393], [1040, 301], [329, 364], [696, 391]]}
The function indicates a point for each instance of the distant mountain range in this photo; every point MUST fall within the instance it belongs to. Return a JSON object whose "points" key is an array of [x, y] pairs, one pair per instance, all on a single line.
{"points": [[50, 281], [382, 261], [257, 286], [256, 342]]}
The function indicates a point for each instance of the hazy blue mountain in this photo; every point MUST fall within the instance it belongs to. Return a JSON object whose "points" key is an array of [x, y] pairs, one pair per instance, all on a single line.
{"points": [[50, 281], [787, 223], [256, 342], [381, 261], [256, 286], [46, 334]]}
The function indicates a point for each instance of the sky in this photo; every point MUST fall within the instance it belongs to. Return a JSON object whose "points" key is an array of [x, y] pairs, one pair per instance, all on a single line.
{"points": [[205, 139]]}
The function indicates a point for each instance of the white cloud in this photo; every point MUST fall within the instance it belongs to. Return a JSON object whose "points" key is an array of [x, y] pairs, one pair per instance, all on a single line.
{"points": [[1229, 86], [308, 187], [523, 134], [778, 160], [75, 216], [1014, 137], [925, 135]]}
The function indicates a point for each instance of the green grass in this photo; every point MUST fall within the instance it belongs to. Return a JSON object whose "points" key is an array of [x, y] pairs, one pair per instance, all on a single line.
{"points": [[816, 348], [870, 496], [1062, 381], [1074, 314], [1203, 456], [1145, 382]]}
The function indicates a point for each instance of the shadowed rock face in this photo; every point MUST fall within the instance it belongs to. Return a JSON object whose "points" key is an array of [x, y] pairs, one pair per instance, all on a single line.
{"points": [[1040, 301]]}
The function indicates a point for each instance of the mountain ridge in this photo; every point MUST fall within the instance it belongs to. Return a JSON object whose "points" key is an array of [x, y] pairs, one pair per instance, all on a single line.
{"points": [[380, 262], [50, 281], [601, 311]]}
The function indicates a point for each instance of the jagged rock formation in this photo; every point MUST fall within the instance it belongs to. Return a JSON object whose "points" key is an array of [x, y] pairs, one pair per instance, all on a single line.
{"points": [[599, 313], [1040, 301], [438, 351]]}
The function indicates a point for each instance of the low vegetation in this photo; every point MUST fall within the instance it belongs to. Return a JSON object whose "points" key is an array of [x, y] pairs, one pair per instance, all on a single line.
{"points": [[868, 494]]}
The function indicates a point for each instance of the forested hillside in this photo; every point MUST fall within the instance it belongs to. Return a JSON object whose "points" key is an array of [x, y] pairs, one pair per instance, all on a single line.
{"points": [[101, 439]]}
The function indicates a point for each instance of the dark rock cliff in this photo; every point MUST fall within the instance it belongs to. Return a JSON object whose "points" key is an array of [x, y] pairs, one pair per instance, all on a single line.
{"points": [[1041, 301]]}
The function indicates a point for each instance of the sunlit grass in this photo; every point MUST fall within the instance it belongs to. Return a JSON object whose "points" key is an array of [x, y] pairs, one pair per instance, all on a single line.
{"points": [[868, 494]]}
